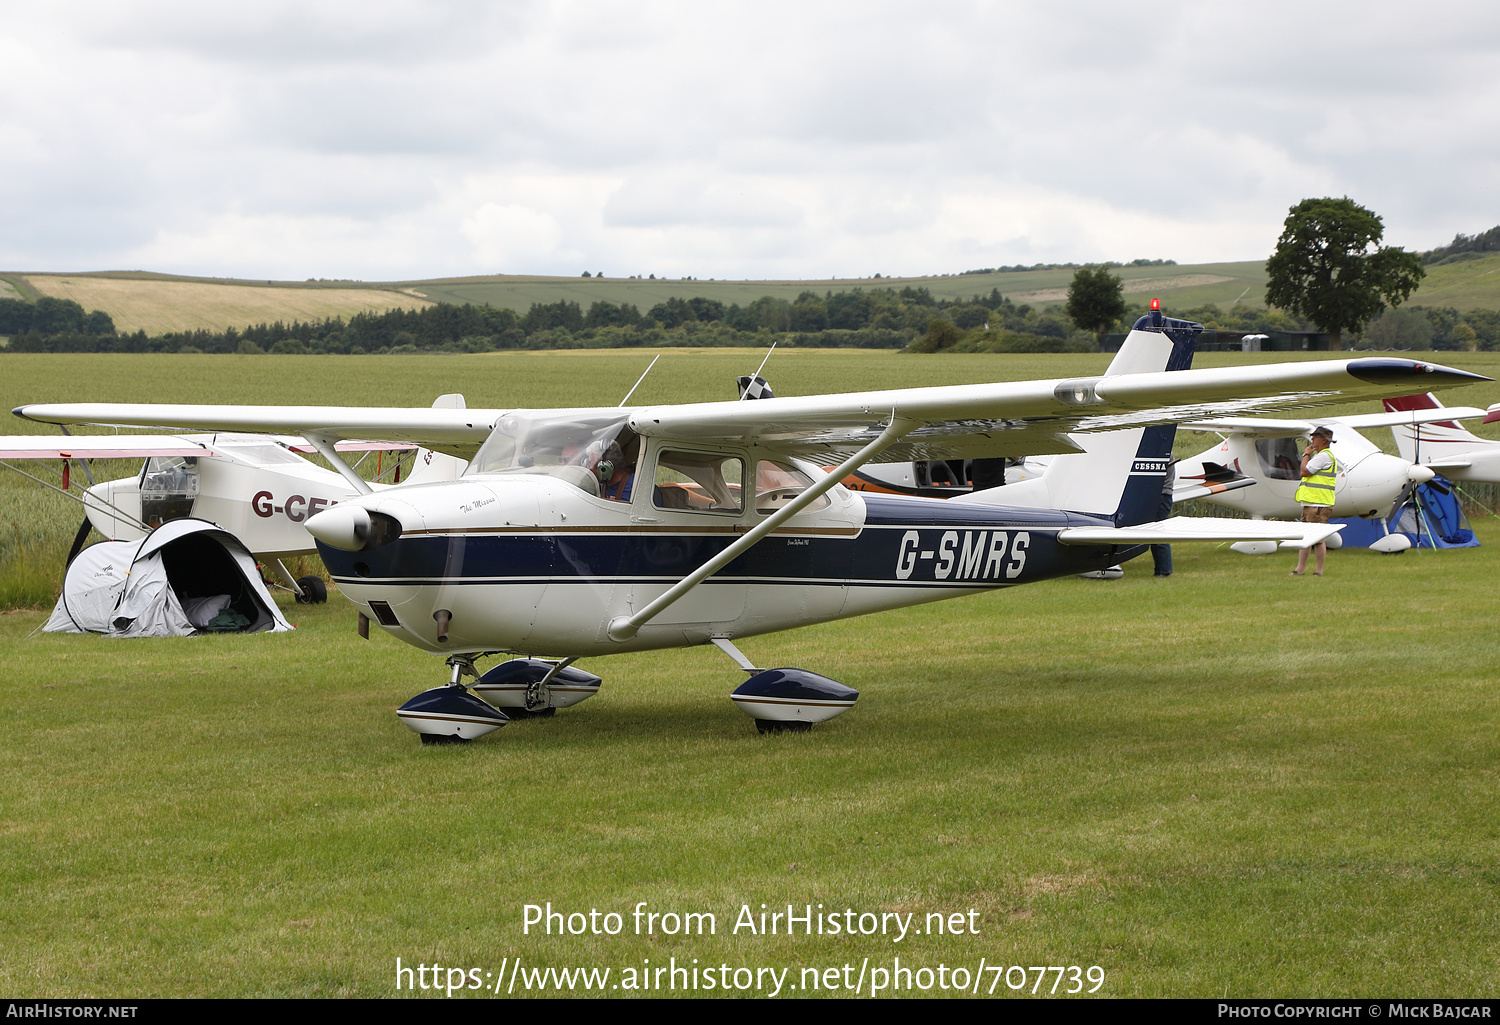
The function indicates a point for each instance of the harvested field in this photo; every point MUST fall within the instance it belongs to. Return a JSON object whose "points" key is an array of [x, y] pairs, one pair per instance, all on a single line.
{"points": [[161, 306], [1135, 286]]}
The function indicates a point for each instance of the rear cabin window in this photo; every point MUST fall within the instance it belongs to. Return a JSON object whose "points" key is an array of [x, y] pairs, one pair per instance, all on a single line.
{"points": [[699, 482], [776, 484]]}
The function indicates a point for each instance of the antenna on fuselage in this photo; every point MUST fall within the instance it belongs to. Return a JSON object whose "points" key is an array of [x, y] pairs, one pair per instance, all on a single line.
{"points": [[638, 382]]}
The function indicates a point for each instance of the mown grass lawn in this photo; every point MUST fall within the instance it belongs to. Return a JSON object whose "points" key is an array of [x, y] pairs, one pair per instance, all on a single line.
{"points": [[1227, 782]]}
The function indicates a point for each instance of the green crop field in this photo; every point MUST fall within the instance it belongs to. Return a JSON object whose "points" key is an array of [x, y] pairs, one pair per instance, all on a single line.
{"points": [[36, 526], [1225, 783], [1187, 286], [1229, 782]]}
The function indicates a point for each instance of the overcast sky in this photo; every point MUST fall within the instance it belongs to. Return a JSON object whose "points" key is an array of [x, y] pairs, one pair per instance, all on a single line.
{"points": [[383, 140]]}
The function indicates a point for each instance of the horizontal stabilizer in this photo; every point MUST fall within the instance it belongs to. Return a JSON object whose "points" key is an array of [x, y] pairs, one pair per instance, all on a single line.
{"points": [[1202, 528], [1215, 480]]}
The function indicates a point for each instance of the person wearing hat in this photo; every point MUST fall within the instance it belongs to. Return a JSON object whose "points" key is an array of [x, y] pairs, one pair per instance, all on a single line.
{"points": [[1319, 473]]}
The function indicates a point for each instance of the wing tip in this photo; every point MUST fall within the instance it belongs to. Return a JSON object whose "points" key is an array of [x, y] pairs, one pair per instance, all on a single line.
{"points": [[1388, 370]]}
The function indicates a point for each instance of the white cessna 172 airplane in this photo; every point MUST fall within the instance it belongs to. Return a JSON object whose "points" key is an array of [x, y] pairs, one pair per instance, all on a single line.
{"points": [[257, 487], [587, 532]]}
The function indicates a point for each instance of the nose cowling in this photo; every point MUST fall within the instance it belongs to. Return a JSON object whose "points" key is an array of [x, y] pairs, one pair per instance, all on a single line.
{"points": [[342, 526]]}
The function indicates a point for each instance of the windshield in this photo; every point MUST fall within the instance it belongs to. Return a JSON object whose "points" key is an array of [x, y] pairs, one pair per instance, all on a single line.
{"points": [[169, 487], [586, 451]]}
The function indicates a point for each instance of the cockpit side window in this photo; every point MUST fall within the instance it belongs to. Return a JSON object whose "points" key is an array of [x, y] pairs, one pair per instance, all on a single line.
{"points": [[699, 481], [1279, 458]]}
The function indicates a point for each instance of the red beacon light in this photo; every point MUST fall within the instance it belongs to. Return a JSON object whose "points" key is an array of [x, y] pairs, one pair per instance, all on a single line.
{"points": [[1155, 305]]}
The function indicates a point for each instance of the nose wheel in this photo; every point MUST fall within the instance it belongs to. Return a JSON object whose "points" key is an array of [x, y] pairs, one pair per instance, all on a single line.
{"points": [[450, 714], [522, 688]]}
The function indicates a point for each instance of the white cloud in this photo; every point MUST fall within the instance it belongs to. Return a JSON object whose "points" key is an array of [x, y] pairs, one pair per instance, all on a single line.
{"points": [[511, 237], [409, 139]]}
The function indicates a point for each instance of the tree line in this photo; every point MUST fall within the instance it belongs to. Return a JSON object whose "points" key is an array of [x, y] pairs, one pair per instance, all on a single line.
{"points": [[1464, 247], [859, 318], [1373, 283], [51, 316]]}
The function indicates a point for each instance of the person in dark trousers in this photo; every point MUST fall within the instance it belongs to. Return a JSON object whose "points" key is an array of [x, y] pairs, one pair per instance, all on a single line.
{"points": [[1161, 555]]}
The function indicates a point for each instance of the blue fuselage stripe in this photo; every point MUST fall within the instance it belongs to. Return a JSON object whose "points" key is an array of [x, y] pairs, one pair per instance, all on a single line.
{"points": [[905, 542]]}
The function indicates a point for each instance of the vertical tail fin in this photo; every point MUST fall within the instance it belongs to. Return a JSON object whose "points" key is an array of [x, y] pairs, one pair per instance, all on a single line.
{"points": [[1119, 474], [1417, 442], [431, 466]]}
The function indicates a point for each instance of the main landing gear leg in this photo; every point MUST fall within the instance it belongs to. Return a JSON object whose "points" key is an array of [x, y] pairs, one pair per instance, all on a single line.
{"points": [[786, 700], [539, 694], [533, 688], [462, 665]]}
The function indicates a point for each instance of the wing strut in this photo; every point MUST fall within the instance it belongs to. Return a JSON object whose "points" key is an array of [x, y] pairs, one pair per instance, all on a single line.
{"points": [[335, 460], [622, 628]]}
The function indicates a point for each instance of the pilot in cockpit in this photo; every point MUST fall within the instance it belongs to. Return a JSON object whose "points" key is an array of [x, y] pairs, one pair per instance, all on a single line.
{"points": [[610, 465], [616, 474]]}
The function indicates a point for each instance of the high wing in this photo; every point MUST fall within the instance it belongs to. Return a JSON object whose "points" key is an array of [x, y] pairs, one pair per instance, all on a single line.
{"points": [[142, 446], [1007, 418], [1265, 427], [135, 446], [456, 431], [1033, 417]]}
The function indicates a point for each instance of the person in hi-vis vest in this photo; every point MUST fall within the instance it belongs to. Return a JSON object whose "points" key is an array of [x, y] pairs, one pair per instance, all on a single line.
{"points": [[1319, 472]]}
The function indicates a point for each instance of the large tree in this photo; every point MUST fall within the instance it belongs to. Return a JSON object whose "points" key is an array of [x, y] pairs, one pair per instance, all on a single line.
{"points": [[1329, 267], [1096, 299]]}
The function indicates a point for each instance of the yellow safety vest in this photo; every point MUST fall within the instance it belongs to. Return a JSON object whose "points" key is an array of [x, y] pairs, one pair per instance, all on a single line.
{"points": [[1318, 489]]}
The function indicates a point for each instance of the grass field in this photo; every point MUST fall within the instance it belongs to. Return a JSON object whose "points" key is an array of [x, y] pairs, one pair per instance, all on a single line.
{"points": [[36, 526], [157, 307], [1225, 783], [1230, 782]]}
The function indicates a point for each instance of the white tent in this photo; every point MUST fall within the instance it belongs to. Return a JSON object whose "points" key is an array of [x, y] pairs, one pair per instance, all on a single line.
{"points": [[185, 577]]}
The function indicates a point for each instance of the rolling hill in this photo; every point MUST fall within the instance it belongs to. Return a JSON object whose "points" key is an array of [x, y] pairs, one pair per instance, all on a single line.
{"points": [[139, 300]]}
